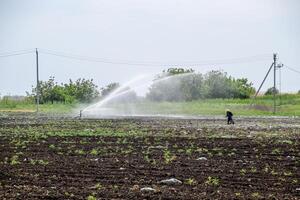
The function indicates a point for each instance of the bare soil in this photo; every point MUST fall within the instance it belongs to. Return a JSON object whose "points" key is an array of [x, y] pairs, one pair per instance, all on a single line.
{"points": [[254, 159]]}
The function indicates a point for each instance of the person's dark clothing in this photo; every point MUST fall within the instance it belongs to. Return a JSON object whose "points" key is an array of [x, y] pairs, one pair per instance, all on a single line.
{"points": [[229, 117]]}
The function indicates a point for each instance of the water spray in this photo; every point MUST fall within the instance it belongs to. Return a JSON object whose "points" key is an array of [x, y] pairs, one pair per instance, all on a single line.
{"points": [[105, 106]]}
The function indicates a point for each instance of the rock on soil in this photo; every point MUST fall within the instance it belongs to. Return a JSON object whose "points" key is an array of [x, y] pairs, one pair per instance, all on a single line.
{"points": [[171, 181], [201, 158], [147, 189]]}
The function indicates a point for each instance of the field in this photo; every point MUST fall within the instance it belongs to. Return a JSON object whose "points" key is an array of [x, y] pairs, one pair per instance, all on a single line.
{"points": [[55, 157], [287, 105]]}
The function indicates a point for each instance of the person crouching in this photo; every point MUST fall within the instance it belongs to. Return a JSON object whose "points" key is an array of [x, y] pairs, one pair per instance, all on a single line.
{"points": [[229, 117]]}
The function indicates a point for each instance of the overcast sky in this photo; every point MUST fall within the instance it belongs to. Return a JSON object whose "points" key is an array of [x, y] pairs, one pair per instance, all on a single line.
{"points": [[164, 31]]}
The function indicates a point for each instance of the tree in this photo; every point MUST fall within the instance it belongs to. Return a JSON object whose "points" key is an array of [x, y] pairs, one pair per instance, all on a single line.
{"points": [[109, 88], [171, 85], [218, 85], [174, 71], [244, 88], [193, 86], [81, 90], [271, 91]]}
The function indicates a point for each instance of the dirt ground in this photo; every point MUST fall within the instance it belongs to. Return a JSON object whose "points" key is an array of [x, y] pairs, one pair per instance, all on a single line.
{"points": [[66, 158]]}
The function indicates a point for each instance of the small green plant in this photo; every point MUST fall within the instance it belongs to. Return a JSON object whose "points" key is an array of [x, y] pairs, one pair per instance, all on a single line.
{"points": [[91, 197], [98, 186], [273, 172], [287, 142], [288, 173], [40, 162], [237, 194], [266, 169], [231, 154], [189, 151], [253, 170], [79, 151], [276, 151], [190, 181], [14, 160], [243, 172], [126, 151], [69, 194], [94, 152], [212, 181], [146, 158], [256, 195], [168, 157]]}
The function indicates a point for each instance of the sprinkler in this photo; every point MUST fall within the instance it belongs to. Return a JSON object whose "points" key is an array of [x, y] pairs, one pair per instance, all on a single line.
{"points": [[80, 114]]}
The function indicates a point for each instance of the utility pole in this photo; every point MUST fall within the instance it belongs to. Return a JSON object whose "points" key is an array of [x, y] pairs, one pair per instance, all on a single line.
{"points": [[274, 88], [37, 81], [279, 66], [274, 65]]}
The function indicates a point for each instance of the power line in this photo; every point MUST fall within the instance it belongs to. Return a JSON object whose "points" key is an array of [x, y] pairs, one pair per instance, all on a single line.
{"points": [[16, 53], [261, 56], [256, 58], [292, 69]]}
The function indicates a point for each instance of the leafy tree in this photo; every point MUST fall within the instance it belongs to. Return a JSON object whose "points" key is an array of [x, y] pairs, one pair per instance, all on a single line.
{"points": [[244, 88], [193, 86], [218, 85], [168, 86], [81, 90], [271, 91], [109, 88], [175, 71], [165, 90]]}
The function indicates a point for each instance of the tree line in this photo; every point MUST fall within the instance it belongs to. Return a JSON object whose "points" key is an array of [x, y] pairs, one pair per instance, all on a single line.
{"points": [[174, 84], [188, 86], [81, 90]]}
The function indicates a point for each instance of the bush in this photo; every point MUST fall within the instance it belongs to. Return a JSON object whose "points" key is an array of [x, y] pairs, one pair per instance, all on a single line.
{"points": [[270, 91]]}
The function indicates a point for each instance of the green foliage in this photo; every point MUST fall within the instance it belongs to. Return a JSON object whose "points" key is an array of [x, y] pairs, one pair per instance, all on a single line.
{"points": [[81, 90], [14, 160], [40, 162], [12, 102], [193, 86], [174, 71], [212, 181], [168, 157], [271, 90], [94, 152], [109, 88], [190, 181], [91, 197]]}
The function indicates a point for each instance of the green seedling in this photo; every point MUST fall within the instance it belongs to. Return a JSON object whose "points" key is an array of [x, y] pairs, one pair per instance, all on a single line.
{"points": [[212, 181], [190, 181], [168, 157]]}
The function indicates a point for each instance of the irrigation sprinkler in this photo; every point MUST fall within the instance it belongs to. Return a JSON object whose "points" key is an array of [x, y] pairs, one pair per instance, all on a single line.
{"points": [[80, 114]]}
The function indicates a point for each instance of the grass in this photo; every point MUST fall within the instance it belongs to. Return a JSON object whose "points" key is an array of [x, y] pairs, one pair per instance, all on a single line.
{"points": [[22, 106], [287, 105]]}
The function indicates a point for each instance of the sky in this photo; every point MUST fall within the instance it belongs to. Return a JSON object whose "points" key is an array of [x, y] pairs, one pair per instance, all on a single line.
{"points": [[169, 33]]}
